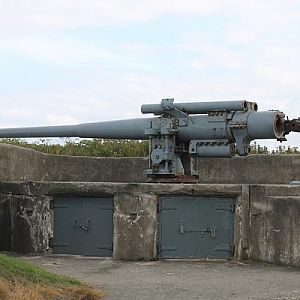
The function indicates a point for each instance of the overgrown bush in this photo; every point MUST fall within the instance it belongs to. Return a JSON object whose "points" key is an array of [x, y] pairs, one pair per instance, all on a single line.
{"points": [[90, 147], [114, 148]]}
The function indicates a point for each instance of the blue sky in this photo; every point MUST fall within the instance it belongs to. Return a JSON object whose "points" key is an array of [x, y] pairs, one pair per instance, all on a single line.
{"points": [[64, 62]]}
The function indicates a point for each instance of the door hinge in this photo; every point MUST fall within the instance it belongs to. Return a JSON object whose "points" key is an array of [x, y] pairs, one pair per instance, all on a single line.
{"points": [[104, 208], [168, 249], [105, 247], [224, 248], [230, 210], [60, 244], [168, 208]]}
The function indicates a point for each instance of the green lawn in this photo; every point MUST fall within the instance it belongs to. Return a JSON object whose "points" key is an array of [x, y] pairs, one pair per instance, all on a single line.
{"points": [[15, 269], [22, 280]]}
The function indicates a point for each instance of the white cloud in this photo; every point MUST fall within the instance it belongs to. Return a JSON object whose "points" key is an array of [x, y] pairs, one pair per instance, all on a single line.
{"points": [[121, 97], [55, 51], [78, 13], [213, 56], [253, 54], [73, 53]]}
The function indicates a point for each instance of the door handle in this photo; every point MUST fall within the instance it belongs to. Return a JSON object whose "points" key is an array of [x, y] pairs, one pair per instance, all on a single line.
{"points": [[181, 227], [212, 231], [85, 228]]}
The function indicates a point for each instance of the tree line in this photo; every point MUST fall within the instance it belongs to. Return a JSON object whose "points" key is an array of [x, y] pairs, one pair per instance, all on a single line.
{"points": [[86, 147], [114, 148]]}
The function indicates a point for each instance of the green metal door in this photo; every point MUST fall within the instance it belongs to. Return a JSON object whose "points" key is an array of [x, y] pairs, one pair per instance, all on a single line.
{"points": [[196, 227], [83, 226]]}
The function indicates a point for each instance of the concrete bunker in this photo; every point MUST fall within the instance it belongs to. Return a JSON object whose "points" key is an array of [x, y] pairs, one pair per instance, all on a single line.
{"points": [[265, 210], [130, 222]]}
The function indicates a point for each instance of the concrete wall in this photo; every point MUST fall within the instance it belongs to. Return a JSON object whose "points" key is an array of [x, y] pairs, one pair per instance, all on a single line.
{"points": [[26, 223], [23, 164], [253, 169], [266, 221], [135, 235], [275, 224]]}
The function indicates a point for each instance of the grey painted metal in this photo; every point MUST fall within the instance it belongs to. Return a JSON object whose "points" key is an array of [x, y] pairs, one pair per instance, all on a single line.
{"points": [[223, 129], [196, 227], [265, 125], [119, 129], [260, 125], [83, 226], [196, 107], [67, 239], [209, 148]]}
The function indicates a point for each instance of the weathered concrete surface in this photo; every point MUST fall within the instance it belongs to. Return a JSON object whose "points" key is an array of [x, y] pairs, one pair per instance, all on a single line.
{"points": [[135, 226], [266, 229], [241, 224], [28, 223], [253, 169], [135, 213], [24, 164], [101, 169], [275, 224], [17, 163], [112, 188], [179, 279]]}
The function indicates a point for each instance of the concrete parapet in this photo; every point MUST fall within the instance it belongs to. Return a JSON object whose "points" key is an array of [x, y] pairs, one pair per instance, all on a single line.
{"points": [[17, 163]]}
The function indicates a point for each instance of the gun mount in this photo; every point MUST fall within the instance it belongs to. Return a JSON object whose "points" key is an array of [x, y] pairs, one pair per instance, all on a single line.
{"points": [[181, 131]]}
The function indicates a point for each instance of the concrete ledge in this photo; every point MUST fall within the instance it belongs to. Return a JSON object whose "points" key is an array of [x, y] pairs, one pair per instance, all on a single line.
{"points": [[111, 188]]}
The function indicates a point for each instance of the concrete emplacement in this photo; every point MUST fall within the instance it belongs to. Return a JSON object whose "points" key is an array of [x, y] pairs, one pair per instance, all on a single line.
{"points": [[266, 217]]}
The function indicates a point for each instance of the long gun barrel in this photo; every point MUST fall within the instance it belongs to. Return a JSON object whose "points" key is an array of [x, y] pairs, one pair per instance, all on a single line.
{"points": [[120, 129], [262, 125], [205, 129]]}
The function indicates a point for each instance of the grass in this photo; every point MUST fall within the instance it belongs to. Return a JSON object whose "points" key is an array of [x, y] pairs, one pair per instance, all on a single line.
{"points": [[20, 280]]}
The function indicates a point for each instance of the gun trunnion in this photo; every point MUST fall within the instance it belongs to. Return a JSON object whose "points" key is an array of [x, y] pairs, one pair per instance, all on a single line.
{"points": [[181, 131]]}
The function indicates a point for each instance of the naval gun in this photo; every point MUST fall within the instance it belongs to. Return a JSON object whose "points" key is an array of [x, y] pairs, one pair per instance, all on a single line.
{"points": [[180, 132]]}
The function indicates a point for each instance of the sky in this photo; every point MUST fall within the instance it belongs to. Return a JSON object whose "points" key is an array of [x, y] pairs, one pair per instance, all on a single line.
{"points": [[69, 62]]}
